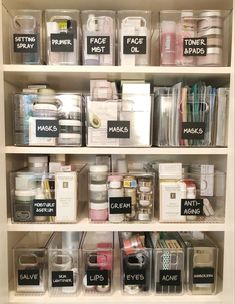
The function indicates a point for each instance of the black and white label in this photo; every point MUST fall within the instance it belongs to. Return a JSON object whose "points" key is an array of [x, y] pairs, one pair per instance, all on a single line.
{"points": [[118, 129], [195, 47], [119, 205], [44, 207], [98, 45], [47, 128], [135, 277], [28, 277], [97, 277], [192, 207], [62, 42], [170, 277], [203, 275], [193, 130], [62, 278], [25, 43], [134, 45]]}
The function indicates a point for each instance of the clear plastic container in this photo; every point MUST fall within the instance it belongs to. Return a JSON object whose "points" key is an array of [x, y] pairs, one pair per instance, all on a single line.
{"points": [[136, 251], [99, 34], [62, 36], [30, 264], [26, 37], [97, 263], [134, 31]]}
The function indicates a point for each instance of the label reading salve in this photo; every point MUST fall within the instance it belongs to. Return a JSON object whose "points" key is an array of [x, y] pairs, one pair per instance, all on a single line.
{"points": [[170, 277], [195, 47], [44, 207], [47, 128], [62, 278], [193, 130], [28, 277], [25, 43], [98, 45], [62, 42], [192, 207], [119, 205], [134, 45], [118, 129], [203, 275], [135, 277], [97, 277]]}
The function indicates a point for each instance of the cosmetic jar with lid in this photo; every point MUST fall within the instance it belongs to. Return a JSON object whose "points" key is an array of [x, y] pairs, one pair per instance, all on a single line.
{"points": [[25, 181], [214, 57], [145, 199], [44, 110], [144, 214], [69, 132], [98, 174], [145, 185], [115, 181], [70, 106], [129, 181], [98, 192], [23, 205], [131, 192], [98, 211], [38, 164], [210, 19]]}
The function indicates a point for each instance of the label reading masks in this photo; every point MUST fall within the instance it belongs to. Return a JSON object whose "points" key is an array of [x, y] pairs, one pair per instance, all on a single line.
{"points": [[118, 129], [193, 130]]}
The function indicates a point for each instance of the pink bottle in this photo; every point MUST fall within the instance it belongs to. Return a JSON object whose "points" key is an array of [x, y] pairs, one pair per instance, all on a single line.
{"points": [[168, 42]]}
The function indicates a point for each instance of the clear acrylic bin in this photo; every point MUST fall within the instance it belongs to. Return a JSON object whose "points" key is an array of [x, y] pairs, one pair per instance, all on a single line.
{"points": [[202, 264], [26, 37], [97, 263], [168, 257], [134, 31], [99, 32], [135, 262], [195, 38], [116, 122], [48, 119], [30, 264], [64, 272], [198, 196], [183, 119]]}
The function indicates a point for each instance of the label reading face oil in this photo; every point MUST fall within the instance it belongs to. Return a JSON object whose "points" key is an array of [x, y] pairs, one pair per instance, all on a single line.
{"points": [[134, 45]]}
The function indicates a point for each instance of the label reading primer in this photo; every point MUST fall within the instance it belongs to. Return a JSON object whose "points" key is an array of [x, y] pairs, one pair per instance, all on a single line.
{"points": [[62, 42], [195, 47]]}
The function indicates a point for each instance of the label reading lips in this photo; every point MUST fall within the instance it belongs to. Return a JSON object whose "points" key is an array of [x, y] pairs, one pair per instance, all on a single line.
{"points": [[97, 277]]}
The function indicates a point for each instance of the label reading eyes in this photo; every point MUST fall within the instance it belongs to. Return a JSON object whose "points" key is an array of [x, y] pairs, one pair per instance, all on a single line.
{"points": [[25, 43], [119, 205], [97, 277], [62, 42], [192, 207], [134, 45], [195, 47], [118, 129], [44, 207], [62, 278], [47, 128], [28, 277], [98, 45], [170, 277], [193, 130], [135, 277], [203, 275]]}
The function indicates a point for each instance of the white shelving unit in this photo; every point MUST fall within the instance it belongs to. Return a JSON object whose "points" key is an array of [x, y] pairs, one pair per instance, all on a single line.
{"points": [[14, 77]]}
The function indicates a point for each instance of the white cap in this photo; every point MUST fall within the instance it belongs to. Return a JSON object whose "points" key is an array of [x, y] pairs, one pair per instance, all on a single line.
{"points": [[98, 168], [37, 159], [211, 31], [45, 106], [186, 14], [25, 193], [212, 13], [98, 206], [97, 187], [70, 122], [168, 26]]}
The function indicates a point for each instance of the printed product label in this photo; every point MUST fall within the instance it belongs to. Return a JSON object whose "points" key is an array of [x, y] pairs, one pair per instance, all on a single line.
{"points": [[119, 205], [62, 42], [118, 129], [192, 207], [193, 130], [135, 277], [203, 275], [195, 47], [97, 277], [62, 278], [98, 45], [25, 43], [28, 277], [44, 207], [134, 45], [170, 277]]}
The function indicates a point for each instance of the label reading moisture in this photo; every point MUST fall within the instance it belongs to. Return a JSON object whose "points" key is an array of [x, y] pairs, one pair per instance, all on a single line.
{"points": [[118, 129], [44, 207], [135, 277], [62, 278], [170, 277], [62, 42], [97, 277], [193, 130], [98, 45], [28, 277], [47, 128], [134, 45], [203, 275], [195, 47], [119, 205], [192, 207], [25, 43]]}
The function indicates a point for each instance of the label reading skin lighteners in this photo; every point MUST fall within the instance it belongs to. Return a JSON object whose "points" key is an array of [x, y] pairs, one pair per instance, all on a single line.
{"points": [[97, 277], [44, 207], [119, 205], [62, 278], [170, 277], [192, 207], [134, 45], [195, 47], [28, 277], [193, 130], [25, 43], [62, 42], [47, 128], [98, 45], [203, 275], [118, 129], [135, 277]]}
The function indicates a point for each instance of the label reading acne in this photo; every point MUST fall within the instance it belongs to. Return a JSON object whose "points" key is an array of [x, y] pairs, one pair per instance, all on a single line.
{"points": [[62, 42], [98, 45], [47, 128], [25, 43], [28, 277], [44, 207], [97, 277], [119, 205], [134, 45], [192, 207], [203, 275], [170, 277], [62, 278], [193, 130], [195, 47], [118, 129], [135, 277]]}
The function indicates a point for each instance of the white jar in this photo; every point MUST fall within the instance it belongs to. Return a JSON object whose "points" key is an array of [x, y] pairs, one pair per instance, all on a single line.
{"points": [[116, 218], [98, 174], [98, 192], [38, 164]]}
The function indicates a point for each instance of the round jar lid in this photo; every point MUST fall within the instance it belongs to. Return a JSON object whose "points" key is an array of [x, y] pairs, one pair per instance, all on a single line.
{"points": [[37, 159], [98, 206], [115, 178], [212, 13], [185, 14], [46, 92], [97, 187], [214, 51], [70, 136], [70, 122], [24, 192], [98, 168], [209, 32], [45, 106]]}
